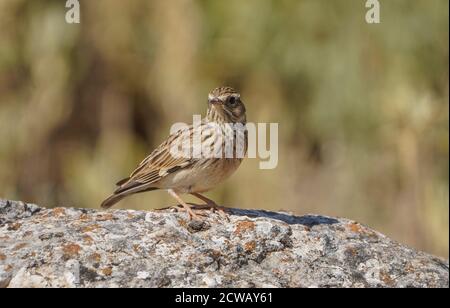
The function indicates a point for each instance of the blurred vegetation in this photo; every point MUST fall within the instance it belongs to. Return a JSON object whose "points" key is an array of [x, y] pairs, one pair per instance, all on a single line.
{"points": [[363, 109]]}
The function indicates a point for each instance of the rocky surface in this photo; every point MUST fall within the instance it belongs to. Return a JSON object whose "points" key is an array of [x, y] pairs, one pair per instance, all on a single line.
{"points": [[66, 247]]}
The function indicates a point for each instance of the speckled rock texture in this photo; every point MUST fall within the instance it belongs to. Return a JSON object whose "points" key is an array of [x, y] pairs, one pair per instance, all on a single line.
{"points": [[67, 247]]}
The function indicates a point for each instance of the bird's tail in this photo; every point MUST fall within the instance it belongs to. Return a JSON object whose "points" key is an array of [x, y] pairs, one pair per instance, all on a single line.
{"points": [[111, 200], [123, 191]]}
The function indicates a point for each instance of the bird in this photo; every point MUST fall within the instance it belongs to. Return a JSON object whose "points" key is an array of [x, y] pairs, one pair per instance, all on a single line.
{"points": [[193, 174]]}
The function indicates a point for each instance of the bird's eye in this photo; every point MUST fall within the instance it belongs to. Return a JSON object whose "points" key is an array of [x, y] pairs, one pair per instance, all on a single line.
{"points": [[232, 100]]}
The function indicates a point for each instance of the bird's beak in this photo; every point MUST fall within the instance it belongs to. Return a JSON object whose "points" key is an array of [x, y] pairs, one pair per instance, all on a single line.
{"points": [[214, 101]]}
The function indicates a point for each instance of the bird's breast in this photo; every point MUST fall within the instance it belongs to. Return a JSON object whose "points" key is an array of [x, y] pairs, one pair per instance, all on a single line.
{"points": [[215, 165], [202, 176]]}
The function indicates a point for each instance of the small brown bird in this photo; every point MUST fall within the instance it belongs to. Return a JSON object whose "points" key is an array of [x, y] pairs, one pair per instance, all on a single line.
{"points": [[193, 174]]}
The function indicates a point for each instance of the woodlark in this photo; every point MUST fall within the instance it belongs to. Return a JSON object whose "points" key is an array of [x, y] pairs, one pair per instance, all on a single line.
{"points": [[192, 173]]}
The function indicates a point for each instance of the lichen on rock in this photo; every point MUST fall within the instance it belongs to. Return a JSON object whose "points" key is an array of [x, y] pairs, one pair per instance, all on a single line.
{"points": [[68, 247]]}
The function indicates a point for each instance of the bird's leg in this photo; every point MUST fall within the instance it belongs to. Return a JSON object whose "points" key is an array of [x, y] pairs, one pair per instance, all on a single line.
{"points": [[186, 207], [208, 201], [211, 204]]}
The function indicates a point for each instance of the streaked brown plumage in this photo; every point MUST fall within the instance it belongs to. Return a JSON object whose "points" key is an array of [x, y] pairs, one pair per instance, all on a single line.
{"points": [[191, 174]]}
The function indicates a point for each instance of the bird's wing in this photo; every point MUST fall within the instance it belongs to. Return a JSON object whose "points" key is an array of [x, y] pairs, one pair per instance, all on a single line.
{"points": [[158, 164]]}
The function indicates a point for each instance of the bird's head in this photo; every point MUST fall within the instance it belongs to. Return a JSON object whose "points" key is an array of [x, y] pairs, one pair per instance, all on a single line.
{"points": [[225, 105]]}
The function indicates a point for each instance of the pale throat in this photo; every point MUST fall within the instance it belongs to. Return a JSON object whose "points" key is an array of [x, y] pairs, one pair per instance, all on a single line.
{"points": [[213, 115]]}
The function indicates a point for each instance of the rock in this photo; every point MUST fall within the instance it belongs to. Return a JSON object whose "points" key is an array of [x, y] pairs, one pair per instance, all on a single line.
{"points": [[67, 247]]}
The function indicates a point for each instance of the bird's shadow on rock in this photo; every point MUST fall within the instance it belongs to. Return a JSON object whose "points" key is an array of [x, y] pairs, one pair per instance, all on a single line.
{"points": [[307, 220]]}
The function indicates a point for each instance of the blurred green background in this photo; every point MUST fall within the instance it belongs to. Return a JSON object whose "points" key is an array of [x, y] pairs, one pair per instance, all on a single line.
{"points": [[362, 108]]}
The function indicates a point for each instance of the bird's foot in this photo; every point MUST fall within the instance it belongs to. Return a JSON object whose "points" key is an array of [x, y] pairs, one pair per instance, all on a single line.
{"points": [[214, 207], [195, 211]]}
